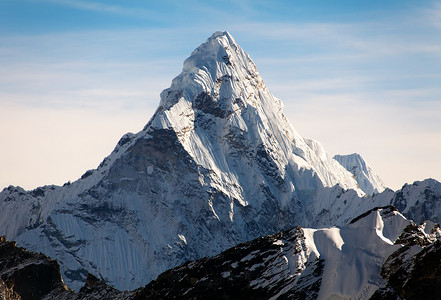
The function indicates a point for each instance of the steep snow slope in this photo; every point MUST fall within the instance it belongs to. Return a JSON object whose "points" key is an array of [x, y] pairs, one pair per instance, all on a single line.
{"points": [[366, 178], [220, 108], [419, 202], [379, 255], [270, 266], [355, 253], [349, 262], [217, 164]]}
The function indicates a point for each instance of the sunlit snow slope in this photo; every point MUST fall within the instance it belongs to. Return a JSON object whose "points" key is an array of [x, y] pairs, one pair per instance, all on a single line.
{"points": [[216, 165], [366, 178], [354, 261]]}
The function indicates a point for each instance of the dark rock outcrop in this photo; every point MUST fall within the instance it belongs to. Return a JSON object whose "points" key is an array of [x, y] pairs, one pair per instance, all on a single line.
{"points": [[29, 275], [252, 270], [414, 271]]}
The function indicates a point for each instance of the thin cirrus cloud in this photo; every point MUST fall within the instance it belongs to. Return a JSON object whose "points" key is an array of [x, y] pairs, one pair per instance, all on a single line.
{"points": [[432, 14], [64, 68], [138, 12]]}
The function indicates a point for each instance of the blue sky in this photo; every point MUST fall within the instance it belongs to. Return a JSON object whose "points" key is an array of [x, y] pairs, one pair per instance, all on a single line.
{"points": [[359, 76]]}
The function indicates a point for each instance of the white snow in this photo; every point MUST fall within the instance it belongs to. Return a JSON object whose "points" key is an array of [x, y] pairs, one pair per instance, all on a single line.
{"points": [[354, 254], [182, 238], [204, 71], [150, 170], [366, 178], [244, 162], [279, 243]]}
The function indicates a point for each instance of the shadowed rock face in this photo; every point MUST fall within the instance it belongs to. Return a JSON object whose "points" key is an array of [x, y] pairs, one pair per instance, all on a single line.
{"points": [[98, 289], [29, 275], [25, 274], [252, 270], [264, 268], [414, 271]]}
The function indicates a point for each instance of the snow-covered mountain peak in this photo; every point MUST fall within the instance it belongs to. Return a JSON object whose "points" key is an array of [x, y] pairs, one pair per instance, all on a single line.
{"points": [[217, 164], [366, 178], [218, 71], [219, 105], [215, 47]]}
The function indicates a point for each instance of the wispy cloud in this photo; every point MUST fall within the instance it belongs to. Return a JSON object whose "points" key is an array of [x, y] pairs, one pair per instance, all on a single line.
{"points": [[432, 14], [138, 12], [371, 86], [373, 38], [95, 70]]}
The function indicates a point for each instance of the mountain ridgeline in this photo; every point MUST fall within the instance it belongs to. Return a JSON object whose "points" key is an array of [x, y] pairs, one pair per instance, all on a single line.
{"points": [[378, 255], [218, 164]]}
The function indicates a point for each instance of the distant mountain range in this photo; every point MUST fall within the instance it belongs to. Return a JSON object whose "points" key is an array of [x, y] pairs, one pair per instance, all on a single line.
{"points": [[217, 165]]}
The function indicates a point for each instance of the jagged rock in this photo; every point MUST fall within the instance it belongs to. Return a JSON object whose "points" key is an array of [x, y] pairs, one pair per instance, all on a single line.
{"points": [[378, 255], [260, 269], [27, 275], [348, 262]]}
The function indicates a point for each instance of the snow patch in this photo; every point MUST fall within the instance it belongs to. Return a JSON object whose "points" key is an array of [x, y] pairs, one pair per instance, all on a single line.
{"points": [[226, 274], [150, 170], [278, 242], [248, 257], [182, 238]]}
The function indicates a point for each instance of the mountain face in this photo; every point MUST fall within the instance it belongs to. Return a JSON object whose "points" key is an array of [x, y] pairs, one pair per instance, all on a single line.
{"points": [[218, 164], [413, 271], [366, 178], [419, 202], [378, 255], [370, 257]]}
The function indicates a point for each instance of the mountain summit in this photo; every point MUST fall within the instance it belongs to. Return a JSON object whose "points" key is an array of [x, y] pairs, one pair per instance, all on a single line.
{"points": [[219, 106], [216, 165], [366, 178]]}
